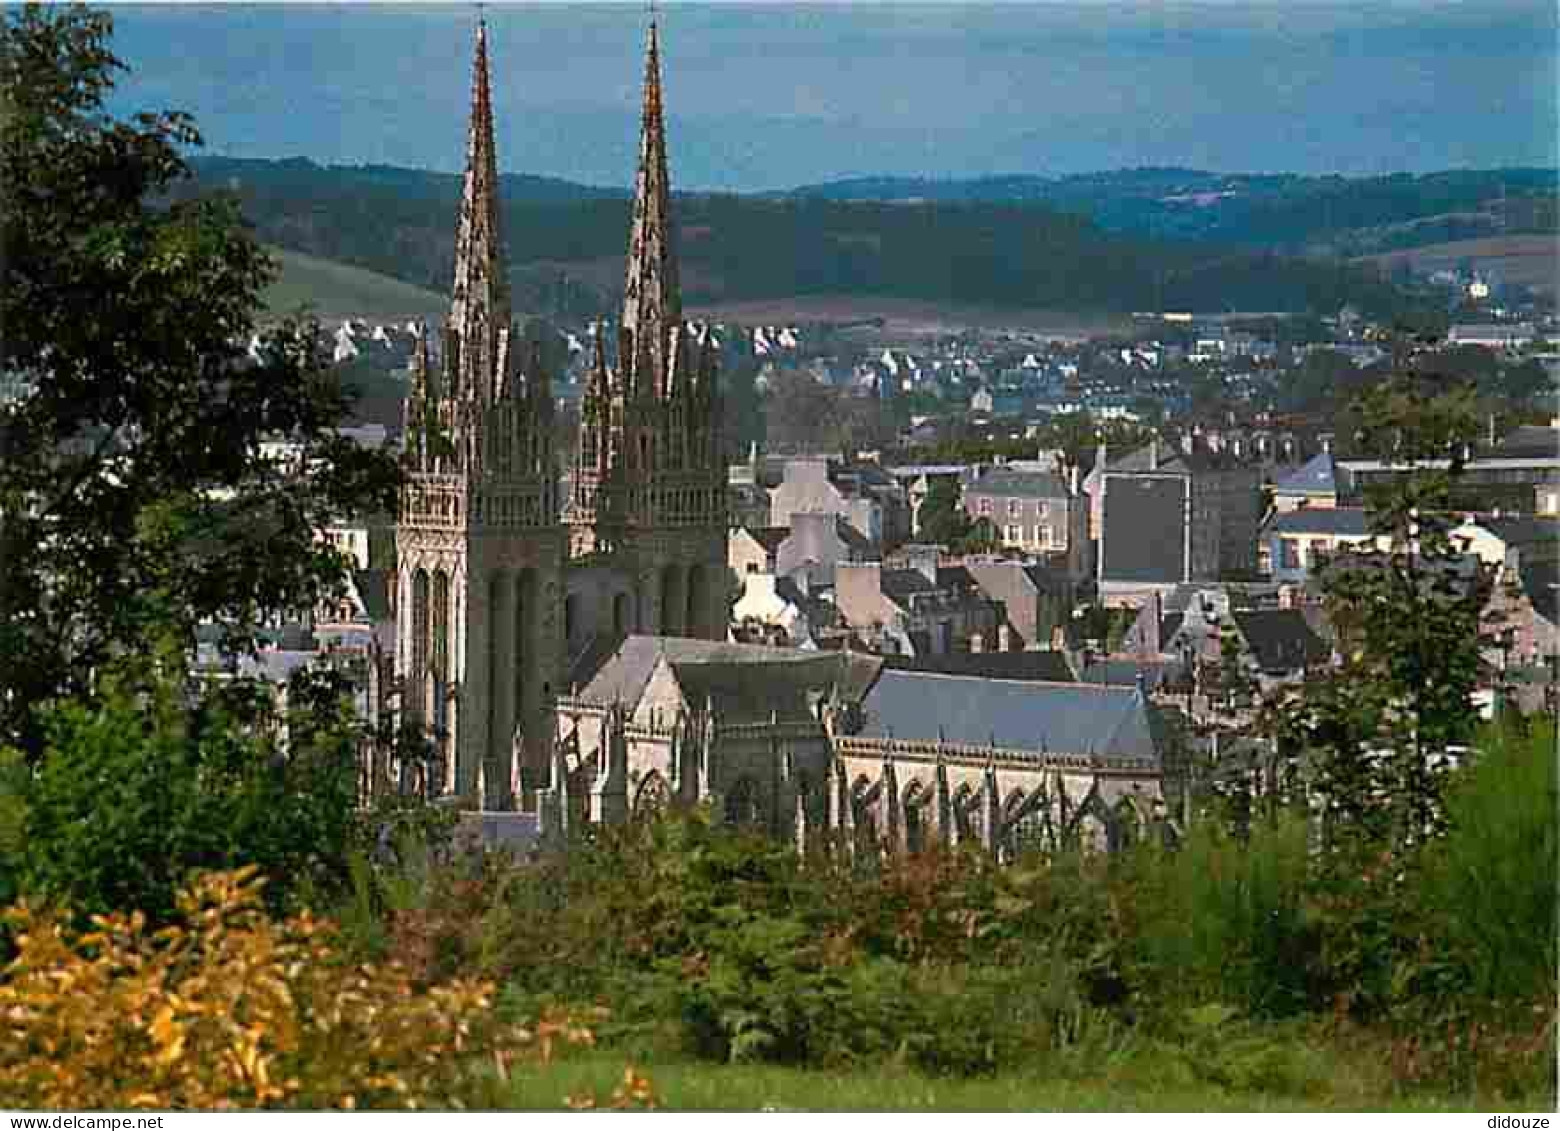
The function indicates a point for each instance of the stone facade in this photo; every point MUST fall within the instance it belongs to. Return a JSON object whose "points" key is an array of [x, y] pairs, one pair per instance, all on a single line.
{"points": [[500, 581], [830, 749], [1036, 512]]}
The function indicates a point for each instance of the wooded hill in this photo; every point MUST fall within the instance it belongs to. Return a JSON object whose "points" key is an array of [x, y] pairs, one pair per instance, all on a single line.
{"points": [[566, 243], [1282, 212]]}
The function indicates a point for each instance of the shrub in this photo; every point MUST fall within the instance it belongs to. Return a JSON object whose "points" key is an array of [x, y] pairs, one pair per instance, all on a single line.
{"points": [[226, 1008], [1224, 919], [136, 790], [1490, 893], [727, 946]]}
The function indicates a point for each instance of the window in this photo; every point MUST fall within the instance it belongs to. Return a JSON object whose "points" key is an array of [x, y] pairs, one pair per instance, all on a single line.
{"points": [[985, 506], [1015, 535], [1043, 510], [1289, 553], [1014, 507], [1043, 537]]}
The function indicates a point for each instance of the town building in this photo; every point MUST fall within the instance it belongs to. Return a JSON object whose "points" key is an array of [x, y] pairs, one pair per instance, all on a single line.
{"points": [[1033, 511], [1300, 540], [927, 608], [1314, 484], [868, 498], [1174, 516]]}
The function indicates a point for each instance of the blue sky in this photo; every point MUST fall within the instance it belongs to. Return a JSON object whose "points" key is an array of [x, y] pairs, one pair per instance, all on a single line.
{"points": [[765, 95]]}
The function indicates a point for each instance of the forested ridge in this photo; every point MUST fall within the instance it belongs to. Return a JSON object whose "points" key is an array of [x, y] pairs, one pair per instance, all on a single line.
{"points": [[998, 253]]}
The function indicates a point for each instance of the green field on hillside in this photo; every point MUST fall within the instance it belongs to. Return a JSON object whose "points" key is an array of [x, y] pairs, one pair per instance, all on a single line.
{"points": [[338, 290]]}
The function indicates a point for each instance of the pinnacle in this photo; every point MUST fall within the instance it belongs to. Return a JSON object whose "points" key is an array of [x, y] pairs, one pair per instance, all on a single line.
{"points": [[652, 301], [479, 306]]}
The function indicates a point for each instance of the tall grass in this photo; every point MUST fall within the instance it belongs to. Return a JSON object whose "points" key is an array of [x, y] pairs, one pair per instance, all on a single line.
{"points": [[1489, 892], [1224, 920]]}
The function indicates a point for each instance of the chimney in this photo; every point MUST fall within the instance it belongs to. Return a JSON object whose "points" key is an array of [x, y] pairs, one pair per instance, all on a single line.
{"points": [[1153, 454], [1004, 637]]}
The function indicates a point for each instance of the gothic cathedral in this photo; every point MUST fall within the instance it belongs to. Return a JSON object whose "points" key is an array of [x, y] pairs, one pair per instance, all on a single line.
{"points": [[504, 578]]}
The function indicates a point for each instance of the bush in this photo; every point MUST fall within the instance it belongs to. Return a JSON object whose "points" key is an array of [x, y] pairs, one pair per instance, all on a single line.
{"points": [[150, 782], [225, 1009], [730, 947], [1490, 894], [1224, 920]]}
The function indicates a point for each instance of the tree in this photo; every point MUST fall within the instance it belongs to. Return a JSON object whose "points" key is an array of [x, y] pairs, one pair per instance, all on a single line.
{"points": [[941, 518], [133, 488], [148, 782], [1408, 625]]}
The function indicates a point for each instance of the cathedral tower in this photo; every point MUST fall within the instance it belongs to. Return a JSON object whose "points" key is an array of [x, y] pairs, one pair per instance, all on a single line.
{"points": [[650, 478], [480, 549]]}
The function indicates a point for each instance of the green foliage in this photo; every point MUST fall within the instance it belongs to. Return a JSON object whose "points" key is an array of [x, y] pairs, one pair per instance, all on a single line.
{"points": [[1489, 897], [132, 484], [942, 518], [1229, 963], [153, 781], [1224, 920], [1408, 618], [400, 222]]}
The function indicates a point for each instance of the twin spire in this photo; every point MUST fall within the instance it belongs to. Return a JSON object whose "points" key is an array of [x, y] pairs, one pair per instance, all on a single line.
{"points": [[480, 301], [652, 299]]}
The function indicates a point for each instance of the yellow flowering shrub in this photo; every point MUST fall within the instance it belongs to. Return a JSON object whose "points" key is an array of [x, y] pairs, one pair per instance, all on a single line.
{"points": [[228, 1008]]}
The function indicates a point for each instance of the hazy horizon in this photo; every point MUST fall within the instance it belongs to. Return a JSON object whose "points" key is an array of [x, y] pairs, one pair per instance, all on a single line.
{"points": [[767, 96]]}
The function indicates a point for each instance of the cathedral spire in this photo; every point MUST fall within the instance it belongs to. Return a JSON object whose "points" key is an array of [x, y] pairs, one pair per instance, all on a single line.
{"points": [[652, 299], [479, 305]]}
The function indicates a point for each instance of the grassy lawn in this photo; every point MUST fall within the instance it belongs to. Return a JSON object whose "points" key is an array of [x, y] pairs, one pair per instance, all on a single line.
{"points": [[687, 1086], [338, 290]]}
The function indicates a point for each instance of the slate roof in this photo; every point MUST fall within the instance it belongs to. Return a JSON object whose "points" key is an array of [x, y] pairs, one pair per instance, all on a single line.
{"points": [[1314, 477], [1280, 639], [955, 577], [1066, 718], [1025, 484], [589, 660], [1125, 673], [735, 675], [1034, 667], [748, 692], [852, 537], [1528, 441], [899, 585], [1341, 522]]}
